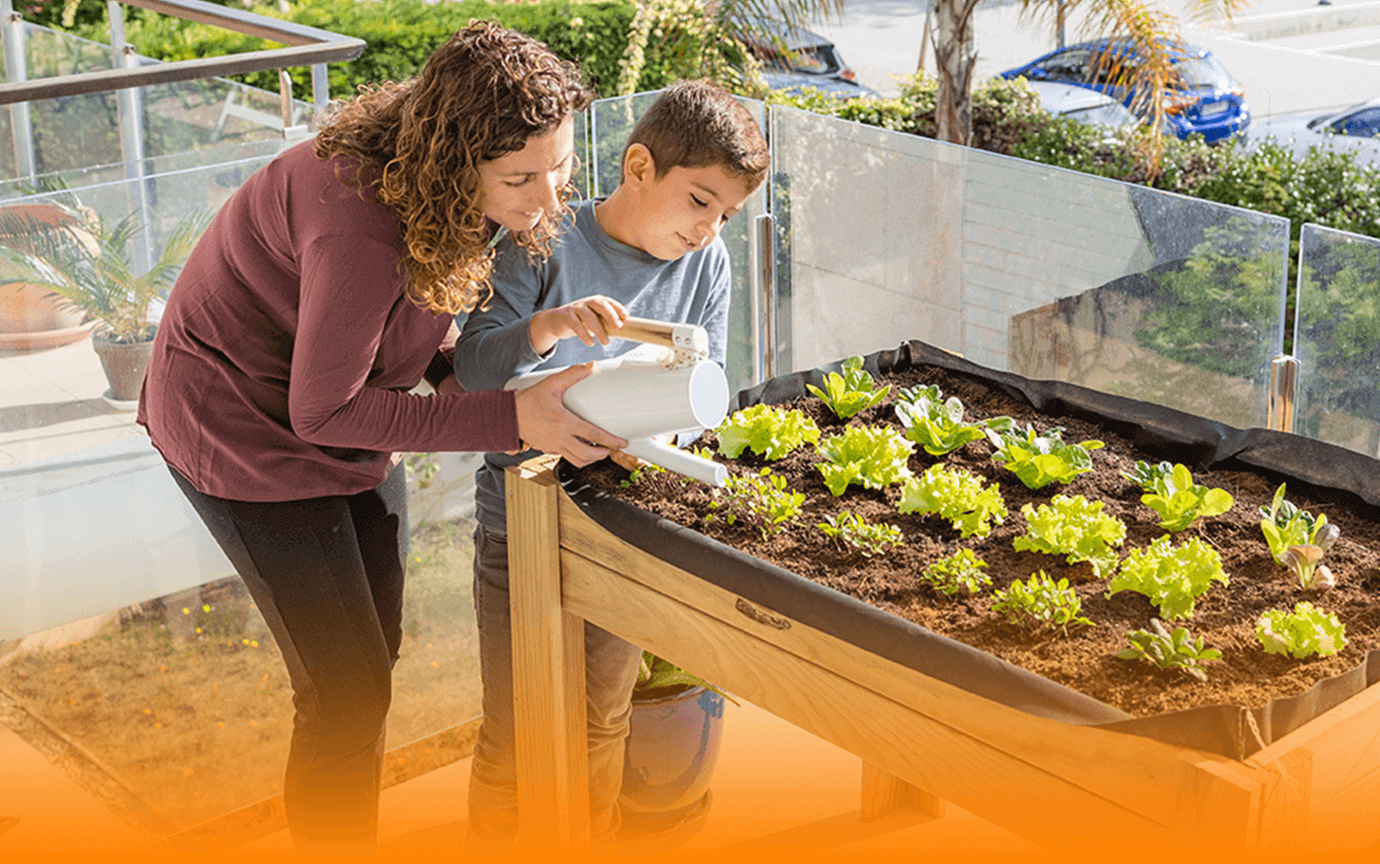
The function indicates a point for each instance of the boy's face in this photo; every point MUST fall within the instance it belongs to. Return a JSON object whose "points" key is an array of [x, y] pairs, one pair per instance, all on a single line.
{"points": [[683, 210], [516, 188]]}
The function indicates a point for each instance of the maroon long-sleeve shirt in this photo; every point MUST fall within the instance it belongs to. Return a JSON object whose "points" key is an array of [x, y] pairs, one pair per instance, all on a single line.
{"points": [[282, 362]]}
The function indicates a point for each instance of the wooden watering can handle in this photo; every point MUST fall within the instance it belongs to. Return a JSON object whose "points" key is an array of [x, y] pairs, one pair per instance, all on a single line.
{"points": [[682, 337]]}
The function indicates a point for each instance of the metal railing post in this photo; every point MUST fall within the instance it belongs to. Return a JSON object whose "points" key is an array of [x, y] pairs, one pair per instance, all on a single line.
{"points": [[21, 128], [764, 300], [130, 105], [320, 91], [1284, 377]]}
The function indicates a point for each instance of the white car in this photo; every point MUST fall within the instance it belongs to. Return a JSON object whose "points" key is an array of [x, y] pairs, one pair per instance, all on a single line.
{"points": [[1082, 104], [1356, 128]]}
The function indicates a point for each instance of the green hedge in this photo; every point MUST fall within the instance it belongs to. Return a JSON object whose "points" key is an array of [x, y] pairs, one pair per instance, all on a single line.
{"points": [[401, 34]]}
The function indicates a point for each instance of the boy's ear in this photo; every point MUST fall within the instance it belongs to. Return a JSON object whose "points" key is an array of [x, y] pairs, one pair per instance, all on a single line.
{"points": [[638, 165]]}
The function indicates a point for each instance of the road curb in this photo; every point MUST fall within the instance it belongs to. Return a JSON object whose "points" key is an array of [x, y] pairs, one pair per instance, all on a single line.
{"points": [[1278, 25]]}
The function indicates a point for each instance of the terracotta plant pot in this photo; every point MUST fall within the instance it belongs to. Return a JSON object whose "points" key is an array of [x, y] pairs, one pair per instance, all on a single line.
{"points": [[124, 364], [30, 316]]}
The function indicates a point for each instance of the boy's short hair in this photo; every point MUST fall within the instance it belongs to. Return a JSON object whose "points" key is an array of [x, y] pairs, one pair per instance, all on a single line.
{"points": [[693, 124]]}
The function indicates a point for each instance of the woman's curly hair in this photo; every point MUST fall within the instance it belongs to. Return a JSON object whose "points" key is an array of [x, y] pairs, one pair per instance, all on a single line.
{"points": [[419, 144]]}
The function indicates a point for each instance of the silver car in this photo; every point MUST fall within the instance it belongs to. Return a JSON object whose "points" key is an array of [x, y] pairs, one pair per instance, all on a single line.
{"points": [[1356, 128]]}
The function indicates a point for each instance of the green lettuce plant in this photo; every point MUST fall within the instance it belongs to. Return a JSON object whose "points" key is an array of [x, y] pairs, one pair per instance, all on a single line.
{"points": [[956, 495], [873, 457], [1172, 577], [1171, 492], [850, 529], [1040, 601], [1298, 541], [851, 392], [1307, 631], [760, 500], [1041, 459], [955, 572], [1076, 527], [1169, 650], [765, 430], [937, 424]]}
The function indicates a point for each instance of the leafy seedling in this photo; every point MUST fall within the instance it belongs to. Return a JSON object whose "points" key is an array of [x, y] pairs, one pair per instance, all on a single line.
{"points": [[1172, 577], [851, 392], [873, 457], [1041, 459], [850, 529], [938, 425], [956, 495], [1040, 601], [1298, 541], [1305, 632], [958, 571], [1173, 494], [1169, 650], [1076, 527], [765, 430], [760, 500]]}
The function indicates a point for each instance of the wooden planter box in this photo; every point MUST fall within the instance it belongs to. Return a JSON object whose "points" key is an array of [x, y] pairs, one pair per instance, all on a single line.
{"points": [[1057, 784], [929, 722]]}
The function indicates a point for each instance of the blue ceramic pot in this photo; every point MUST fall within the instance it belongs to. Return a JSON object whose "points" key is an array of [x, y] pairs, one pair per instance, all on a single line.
{"points": [[673, 745]]}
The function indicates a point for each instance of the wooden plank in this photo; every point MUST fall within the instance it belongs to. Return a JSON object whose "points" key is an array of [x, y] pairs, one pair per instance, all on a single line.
{"points": [[1141, 773], [978, 777], [542, 730], [884, 793], [576, 728]]}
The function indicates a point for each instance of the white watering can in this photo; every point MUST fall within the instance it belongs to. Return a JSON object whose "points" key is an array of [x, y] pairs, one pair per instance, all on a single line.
{"points": [[665, 387]]}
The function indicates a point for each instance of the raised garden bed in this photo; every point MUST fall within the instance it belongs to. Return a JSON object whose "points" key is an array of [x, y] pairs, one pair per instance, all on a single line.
{"points": [[1016, 745]]}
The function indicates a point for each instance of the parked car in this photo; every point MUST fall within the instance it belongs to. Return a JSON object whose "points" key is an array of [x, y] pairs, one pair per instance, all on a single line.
{"points": [[1082, 104], [793, 61], [1211, 102], [1356, 128]]}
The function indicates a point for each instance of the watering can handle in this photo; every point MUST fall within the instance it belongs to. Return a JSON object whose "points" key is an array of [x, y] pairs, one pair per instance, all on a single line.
{"points": [[690, 338]]}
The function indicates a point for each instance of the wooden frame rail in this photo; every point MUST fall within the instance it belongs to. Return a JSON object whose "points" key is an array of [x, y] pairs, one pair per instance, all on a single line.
{"points": [[924, 741]]}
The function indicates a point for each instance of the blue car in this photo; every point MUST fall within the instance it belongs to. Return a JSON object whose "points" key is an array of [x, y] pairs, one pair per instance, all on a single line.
{"points": [[1212, 102]]}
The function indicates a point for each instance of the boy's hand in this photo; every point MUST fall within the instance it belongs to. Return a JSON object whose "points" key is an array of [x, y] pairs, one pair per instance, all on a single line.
{"points": [[546, 424], [589, 319]]}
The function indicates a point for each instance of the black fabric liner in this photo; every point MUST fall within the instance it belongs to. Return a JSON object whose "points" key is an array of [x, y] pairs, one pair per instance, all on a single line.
{"points": [[1230, 730]]}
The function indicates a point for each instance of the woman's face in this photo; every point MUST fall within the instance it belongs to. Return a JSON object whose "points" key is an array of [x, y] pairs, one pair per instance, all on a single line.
{"points": [[515, 189]]}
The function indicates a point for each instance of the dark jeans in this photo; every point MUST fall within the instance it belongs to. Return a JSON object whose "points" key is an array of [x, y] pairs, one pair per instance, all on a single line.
{"points": [[327, 575]]}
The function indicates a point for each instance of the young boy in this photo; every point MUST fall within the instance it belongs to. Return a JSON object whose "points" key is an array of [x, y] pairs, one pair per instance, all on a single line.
{"points": [[651, 250]]}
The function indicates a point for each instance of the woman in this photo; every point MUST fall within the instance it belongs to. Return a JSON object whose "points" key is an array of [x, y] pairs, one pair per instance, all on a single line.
{"points": [[324, 290]]}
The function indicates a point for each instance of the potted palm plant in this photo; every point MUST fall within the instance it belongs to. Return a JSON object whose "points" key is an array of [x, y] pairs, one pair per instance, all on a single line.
{"points": [[85, 265]]}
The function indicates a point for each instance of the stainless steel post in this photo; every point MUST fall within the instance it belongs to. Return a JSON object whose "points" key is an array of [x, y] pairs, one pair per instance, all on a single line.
{"points": [[764, 312], [16, 69], [129, 103], [1284, 376]]}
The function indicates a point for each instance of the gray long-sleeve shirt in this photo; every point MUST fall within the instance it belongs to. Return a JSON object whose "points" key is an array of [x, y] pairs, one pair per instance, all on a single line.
{"points": [[494, 344]]}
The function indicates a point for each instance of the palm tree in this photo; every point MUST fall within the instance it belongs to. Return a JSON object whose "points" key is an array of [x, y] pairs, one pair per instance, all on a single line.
{"points": [[88, 265]]}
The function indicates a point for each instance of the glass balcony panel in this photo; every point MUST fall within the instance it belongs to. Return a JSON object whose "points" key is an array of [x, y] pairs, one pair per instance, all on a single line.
{"points": [[1337, 339], [612, 120], [1041, 271], [185, 123]]}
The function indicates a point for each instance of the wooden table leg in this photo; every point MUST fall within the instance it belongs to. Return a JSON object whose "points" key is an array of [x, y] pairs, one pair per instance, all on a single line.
{"points": [[883, 792], [548, 670]]}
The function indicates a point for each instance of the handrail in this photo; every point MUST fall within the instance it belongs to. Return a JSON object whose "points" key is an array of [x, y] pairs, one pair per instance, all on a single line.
{"points": [[309, 46]]}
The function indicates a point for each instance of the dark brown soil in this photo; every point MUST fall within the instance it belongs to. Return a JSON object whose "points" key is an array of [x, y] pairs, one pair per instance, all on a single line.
{"points": [[1083, 658]]}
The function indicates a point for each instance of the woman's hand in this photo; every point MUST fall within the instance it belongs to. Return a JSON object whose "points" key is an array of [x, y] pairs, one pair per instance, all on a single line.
{"points": [[546, 424], [589, 319]]}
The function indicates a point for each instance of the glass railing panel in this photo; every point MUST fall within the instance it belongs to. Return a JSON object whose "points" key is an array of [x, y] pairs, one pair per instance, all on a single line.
{"points": [[1337, 339], [612, 120], [123, 627], [74, 133], [1019, 266]]}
